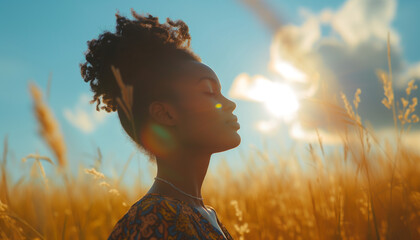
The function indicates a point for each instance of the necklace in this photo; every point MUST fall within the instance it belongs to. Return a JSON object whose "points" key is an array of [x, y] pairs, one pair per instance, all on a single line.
{"points": [[179, 190]]}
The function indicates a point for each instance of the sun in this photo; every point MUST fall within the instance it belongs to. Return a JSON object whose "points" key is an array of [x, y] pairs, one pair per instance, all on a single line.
{"points": [[279, 98], [281, 101]]}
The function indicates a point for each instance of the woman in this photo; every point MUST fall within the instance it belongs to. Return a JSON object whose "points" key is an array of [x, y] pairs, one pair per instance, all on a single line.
{"points": [[175, 112]]}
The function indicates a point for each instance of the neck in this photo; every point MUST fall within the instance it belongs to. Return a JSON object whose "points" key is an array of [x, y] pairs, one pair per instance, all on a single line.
{"points": [[186, 171]]}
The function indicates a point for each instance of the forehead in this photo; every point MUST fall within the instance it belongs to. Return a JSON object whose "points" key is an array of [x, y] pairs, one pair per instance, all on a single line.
{"points": [[192, 72]]}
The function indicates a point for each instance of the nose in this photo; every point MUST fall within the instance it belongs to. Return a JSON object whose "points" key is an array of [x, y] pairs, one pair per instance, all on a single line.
{"points": [[228, 104]]}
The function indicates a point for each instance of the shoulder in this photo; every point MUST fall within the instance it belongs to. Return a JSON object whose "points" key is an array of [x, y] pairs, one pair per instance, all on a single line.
{"points": [[150, 217]]}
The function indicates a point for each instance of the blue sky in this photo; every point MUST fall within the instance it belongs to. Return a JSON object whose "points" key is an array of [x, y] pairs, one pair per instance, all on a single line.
{"points": [[39, 39]]}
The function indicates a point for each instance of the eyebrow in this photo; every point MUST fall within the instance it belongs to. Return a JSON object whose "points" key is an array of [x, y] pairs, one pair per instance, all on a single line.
{"points": [[212, 79]]}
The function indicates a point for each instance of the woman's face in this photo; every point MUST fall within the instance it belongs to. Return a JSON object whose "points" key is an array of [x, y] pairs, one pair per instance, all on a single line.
{"points": [[205, 119]]}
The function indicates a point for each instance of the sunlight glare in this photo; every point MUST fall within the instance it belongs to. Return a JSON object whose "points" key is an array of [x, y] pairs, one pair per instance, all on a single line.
{"points": [[279, 98], [289, 72], [266, 126], [281, 101]]}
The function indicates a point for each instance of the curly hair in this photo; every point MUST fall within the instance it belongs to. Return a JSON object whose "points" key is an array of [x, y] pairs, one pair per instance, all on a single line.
{"points": [[145, 51]]}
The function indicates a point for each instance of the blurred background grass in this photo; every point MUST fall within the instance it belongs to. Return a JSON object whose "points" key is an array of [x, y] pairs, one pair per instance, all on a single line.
{"points": [[359, 190]]}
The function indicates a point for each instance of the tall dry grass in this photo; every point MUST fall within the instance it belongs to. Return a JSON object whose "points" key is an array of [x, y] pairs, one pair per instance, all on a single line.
{"points": [[362, 190]]}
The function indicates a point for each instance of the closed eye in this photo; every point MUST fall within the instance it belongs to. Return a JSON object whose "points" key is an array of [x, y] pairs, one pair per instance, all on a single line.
{"points": [[213, 93], [212, 86]]}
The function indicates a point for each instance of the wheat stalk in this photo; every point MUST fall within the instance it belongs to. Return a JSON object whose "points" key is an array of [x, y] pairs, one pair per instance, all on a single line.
{"points": [[48, 127], [126, 102], [37, 159]]}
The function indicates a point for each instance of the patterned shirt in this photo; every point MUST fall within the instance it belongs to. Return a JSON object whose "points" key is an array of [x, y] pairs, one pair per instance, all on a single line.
{"points": [[159, 217]]}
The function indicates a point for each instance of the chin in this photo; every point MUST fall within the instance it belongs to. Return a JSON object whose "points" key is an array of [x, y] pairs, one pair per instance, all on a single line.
{"points": [[229, 142], [237, 140]]}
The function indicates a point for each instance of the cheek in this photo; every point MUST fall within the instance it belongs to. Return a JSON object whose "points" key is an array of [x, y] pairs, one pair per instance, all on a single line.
{"points": [[203, 125], [202, 120], [206, 127]]}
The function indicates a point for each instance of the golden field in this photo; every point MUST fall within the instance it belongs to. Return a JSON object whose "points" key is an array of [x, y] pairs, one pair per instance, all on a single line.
{"points": [[361, 190]]}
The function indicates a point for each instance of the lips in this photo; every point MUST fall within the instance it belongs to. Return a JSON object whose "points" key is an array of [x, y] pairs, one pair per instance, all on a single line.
{"points": [[233, 122], [232, 119]]}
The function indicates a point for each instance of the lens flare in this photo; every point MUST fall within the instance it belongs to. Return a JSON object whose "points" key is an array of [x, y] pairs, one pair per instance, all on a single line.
{"points": [[154, 137], [218, 106]]}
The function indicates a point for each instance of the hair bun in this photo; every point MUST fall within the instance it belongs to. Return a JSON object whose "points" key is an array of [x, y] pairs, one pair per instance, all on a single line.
{"points": [[134, 47]]}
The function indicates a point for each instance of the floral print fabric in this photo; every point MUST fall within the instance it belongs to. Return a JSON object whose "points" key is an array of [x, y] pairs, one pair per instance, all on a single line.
{"points": [[159, 217]]}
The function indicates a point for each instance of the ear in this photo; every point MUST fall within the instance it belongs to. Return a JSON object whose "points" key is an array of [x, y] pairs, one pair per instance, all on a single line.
{"points": [[162, 113]]}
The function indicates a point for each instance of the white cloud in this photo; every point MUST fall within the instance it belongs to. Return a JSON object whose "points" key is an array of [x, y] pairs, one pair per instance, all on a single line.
{"points": [[267, 126], [358, 31], [344, 57], [243, 87], [358, 21], [84, 115], [412, 71], [297, 132]]}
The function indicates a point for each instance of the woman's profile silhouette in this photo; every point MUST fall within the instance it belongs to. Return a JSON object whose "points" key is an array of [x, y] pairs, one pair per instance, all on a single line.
{"points": [[175, 112]]}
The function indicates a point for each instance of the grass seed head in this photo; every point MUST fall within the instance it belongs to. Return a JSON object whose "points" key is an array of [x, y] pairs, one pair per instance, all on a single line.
{"points": [[356, 100], [404, 102], [114, 192], [411, 87], [388, 100], [94, 173], [3, 207], [48, 126], [349, 108]]}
